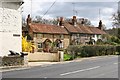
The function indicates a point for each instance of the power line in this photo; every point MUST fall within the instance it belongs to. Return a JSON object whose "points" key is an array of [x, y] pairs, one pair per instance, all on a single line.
{"points": [[49, 8]]}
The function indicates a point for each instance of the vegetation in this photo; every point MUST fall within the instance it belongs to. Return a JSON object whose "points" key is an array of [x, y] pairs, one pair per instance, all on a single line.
{"points": [[92, 50], [27, 46], [116, 19], [39, 19], [67, 57]]}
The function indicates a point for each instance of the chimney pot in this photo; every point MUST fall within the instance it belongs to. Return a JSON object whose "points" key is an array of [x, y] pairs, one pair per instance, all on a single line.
{"points": [[74, 17], [100, 25], [61, 18], [74, 20], [28, 20], [61, 21]]}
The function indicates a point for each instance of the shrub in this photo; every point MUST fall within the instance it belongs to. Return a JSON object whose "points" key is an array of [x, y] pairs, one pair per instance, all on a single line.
{"points": [[67, 57], [99, 42], [118, 49], [27, 46], [74, 50]]}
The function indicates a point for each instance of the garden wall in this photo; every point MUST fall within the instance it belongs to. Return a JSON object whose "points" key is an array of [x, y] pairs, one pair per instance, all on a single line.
{"points": [[40, 56], [12, 61]]}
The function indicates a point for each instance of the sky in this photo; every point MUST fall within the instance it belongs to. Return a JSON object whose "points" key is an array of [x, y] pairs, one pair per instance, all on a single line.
{"points": [[93, 10]]}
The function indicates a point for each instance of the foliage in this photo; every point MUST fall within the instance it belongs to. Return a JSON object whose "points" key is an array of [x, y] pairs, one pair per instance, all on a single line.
{"points": [[99, 42], [67, 57], [115, 39], [92, 50], [118, 49], [27, 46], [111, 40], [39, 19]]}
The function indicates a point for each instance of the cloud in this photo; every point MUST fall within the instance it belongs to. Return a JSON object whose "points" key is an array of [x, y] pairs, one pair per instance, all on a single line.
{"points": [[88, 10]]}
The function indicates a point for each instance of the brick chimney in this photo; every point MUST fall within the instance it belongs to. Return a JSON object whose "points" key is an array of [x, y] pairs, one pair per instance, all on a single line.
{"points": [[74, 21], [61, 21], [29, 20], [83, 21], [100, 26]]}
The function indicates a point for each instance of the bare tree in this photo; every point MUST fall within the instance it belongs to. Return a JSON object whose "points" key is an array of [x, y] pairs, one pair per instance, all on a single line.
{"points": [[116, 22], [38, 19], [116, 19], [85, 21]]}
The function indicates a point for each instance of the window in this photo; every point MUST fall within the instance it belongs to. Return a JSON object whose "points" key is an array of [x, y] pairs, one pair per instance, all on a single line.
{"points": [[40, 45]]}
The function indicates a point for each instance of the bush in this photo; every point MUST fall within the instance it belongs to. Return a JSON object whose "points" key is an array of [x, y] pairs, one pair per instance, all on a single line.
{"points": [[118, 49], [67, 57], [27, 46], [99, 42], [74, 50]]}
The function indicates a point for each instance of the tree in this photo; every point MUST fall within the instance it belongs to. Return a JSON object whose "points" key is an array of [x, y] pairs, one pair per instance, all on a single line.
{"points": [[116, 19], [85, 21], [38, 19]]}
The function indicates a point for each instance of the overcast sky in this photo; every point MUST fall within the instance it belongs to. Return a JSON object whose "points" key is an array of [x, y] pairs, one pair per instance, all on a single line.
{"points": [[65, 8]]}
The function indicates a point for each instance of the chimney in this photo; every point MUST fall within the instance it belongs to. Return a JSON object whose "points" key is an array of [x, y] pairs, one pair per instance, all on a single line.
{"points": [[61, 21], [74, 21], [100, 26], [28, 20], [58, 21], [83, 21]]}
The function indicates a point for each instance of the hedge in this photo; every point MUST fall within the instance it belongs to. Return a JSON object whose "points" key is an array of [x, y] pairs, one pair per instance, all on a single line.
{"points": [[92, 50]]}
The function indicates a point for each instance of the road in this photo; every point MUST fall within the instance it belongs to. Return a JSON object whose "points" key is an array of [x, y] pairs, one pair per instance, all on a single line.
{"points": [[100, 67]]}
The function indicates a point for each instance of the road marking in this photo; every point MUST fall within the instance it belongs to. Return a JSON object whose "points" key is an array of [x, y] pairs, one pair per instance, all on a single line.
{"points": [[45, 77], [116, 63], [80, 71]]}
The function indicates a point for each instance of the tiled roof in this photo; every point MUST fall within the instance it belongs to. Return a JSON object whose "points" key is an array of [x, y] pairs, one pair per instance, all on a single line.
{"points": [[83, 29], [54, 29], [46, 28]]}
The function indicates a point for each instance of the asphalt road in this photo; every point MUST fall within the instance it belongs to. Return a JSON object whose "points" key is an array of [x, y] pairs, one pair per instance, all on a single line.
{"points": [[101, 67]]}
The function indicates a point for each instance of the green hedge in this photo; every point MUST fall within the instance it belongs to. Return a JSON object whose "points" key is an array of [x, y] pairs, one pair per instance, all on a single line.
{"points": [[92, 50]]}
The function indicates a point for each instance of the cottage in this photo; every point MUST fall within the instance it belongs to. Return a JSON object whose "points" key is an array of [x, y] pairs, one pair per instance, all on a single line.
{"points": [[63, 34], [10, 26], [45, 36], [82, 34]]}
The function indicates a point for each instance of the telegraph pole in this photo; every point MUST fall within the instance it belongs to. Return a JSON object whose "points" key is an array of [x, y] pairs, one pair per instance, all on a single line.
{"points": [[99, 14], [73, 8]]}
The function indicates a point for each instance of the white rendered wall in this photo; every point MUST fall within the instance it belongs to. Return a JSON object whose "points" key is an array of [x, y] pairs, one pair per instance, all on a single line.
{"points": [[10, 24], [95, 37]]}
